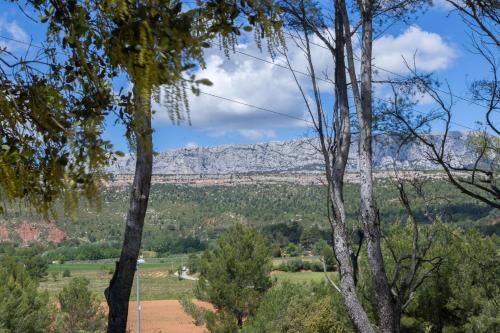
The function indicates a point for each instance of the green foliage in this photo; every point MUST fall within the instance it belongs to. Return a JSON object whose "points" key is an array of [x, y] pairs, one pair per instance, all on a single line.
{"points": [[458, 286], [325, 251], [290, 307], [178, 215], [297, 265], [293, 250], [87, 251], [66, 273], [22, 307], [80, 309], [194, 263], [197, 313], [235, 274], [166, 244], [463, 294], [36, 266]]}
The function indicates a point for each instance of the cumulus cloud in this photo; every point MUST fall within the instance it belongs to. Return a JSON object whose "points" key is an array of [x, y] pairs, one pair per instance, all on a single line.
{"points": [[247, 81], [430, 51], [251, 81]]}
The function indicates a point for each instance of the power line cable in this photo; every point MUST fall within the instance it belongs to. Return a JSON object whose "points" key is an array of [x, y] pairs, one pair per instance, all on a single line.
{"points": [[257, 107], [331, 82], [391, 72], [247, 104]]}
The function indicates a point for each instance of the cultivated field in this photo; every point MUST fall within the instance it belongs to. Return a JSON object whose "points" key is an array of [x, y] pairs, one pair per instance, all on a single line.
{"points": [[160, 289]]}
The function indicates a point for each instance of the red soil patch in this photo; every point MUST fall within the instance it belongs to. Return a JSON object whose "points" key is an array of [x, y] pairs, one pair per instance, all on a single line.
{"points": [[166, 316], [55, 235], [4, 233], [28, 233]]}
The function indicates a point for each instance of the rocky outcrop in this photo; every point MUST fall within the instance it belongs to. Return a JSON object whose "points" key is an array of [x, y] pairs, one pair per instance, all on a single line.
{"points": [[294, 155], [24, 232]]}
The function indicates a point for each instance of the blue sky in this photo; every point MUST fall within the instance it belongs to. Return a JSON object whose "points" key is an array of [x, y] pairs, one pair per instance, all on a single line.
{"points": [[439, 38]]}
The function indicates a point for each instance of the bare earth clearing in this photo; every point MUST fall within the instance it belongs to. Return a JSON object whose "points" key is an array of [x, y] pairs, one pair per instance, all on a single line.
{"points": [[166, 316]]}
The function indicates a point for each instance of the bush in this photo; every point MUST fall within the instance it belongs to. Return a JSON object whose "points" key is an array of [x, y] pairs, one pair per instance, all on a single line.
{"points": [[293, 250], [295, 265], [36, 266], [240, 259], [80, 309], [66, 273], [88, 251], [165, 245], [194, 263]]}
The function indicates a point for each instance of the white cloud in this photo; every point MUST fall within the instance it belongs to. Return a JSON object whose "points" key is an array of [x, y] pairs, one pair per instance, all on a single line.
{"points": [[12, 30], [431, 52], [252, 81], [442, 5], [191, 145], [248, 81]]}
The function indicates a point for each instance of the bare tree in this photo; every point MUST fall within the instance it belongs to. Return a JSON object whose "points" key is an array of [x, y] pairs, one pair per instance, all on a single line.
{"points": [[479, 178], [362, 94], [412, 269], [482, 16], [334, 134]]}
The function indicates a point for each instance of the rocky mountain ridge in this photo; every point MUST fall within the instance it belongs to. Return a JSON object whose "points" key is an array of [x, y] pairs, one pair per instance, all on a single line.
{"points": [[299, 155]]}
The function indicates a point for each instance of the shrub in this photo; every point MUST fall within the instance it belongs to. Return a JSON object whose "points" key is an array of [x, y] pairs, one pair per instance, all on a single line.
{"points": [[22, 307], [80, 308], [293, 250], [295, 265], [290, 307], [66, 273], [36, 266], [235, 275], [194, 263]]}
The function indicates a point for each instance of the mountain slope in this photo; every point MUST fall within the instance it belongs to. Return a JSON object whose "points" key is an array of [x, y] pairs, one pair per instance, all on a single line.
{"points": [[293, 155]]}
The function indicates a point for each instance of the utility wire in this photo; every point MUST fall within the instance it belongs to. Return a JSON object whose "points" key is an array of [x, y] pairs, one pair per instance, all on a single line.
{"points": [[257, 107], [247, 104], [331, 82], [390, 72]]}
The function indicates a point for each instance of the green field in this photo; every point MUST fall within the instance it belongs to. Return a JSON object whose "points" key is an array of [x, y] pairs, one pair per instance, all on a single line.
{"points": [[157, 279]]}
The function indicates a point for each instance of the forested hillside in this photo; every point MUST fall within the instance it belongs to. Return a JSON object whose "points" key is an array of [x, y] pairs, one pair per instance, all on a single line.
{"points": [[200, 214]]}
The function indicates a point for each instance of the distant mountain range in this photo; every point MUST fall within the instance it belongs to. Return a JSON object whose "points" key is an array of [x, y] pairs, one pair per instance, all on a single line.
{"points": [[293, 156]]}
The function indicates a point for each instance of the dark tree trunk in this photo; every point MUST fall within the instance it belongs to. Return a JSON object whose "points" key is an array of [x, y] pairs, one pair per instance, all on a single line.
{"points": [[118, 292]]}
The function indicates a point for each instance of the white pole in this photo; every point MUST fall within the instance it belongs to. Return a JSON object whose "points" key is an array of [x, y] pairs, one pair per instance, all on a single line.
{"points": [[138, 301]]}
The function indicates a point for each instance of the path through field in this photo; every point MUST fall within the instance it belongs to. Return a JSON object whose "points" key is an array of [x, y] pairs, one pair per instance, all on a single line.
{"points": [[165, 316]]}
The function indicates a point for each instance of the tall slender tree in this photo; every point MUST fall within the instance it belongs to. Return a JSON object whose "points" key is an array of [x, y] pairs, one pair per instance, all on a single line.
{"points": [[157, 44]]}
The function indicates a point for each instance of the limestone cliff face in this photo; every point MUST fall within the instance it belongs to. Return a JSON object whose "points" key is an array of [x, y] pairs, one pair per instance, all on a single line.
{"points": [[293, 155]]}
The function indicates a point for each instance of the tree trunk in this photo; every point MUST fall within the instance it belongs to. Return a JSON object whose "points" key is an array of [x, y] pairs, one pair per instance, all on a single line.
{"points": [[369, 212], [118, 292], [342, 128]]}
